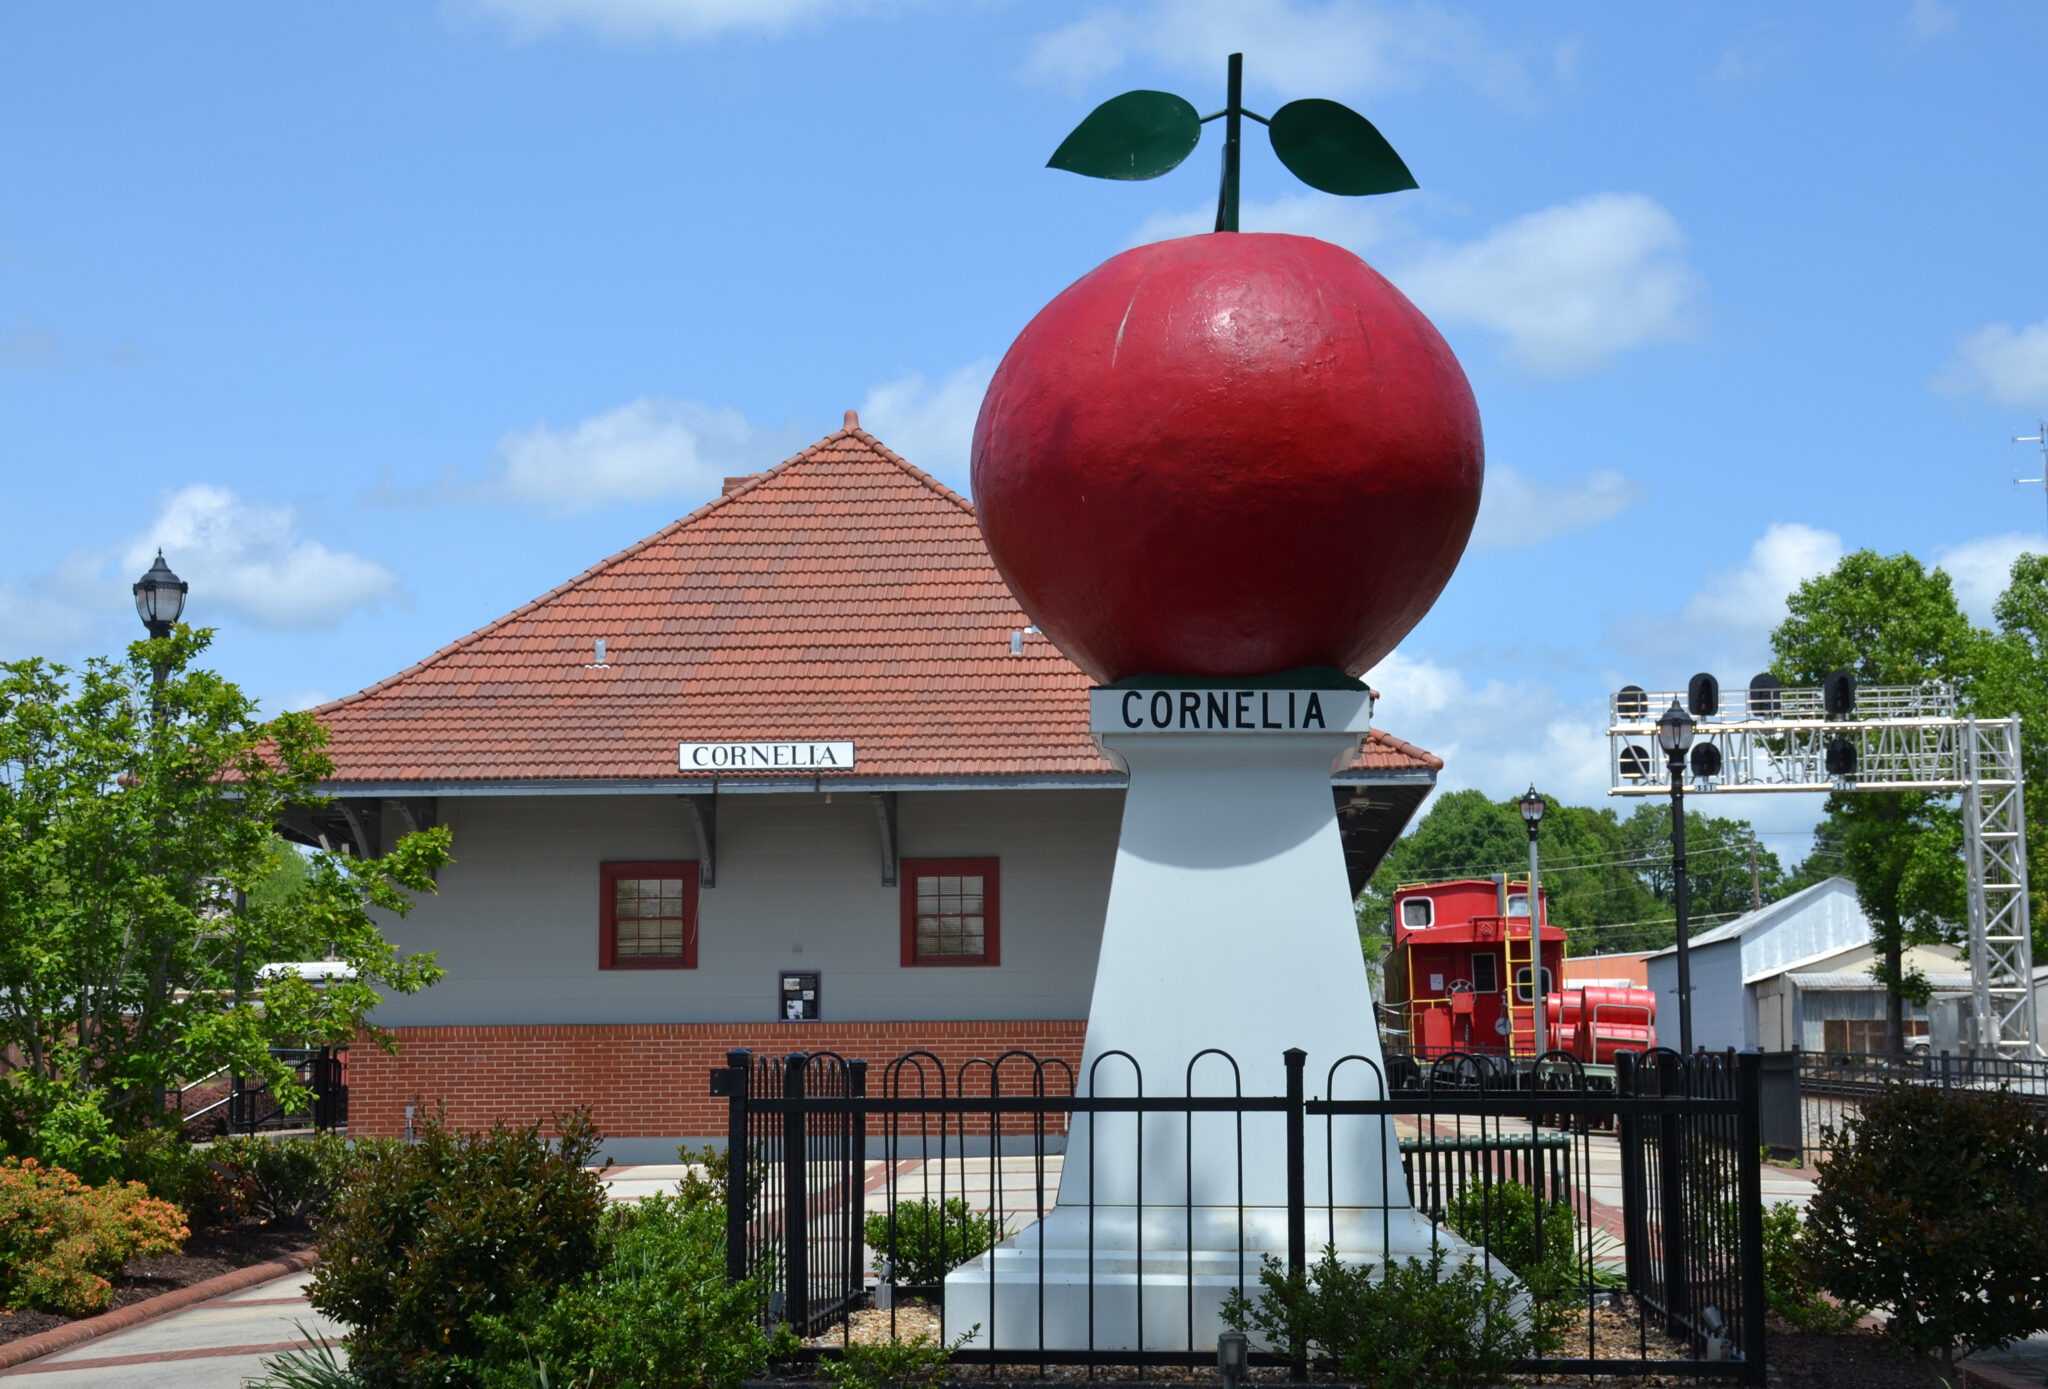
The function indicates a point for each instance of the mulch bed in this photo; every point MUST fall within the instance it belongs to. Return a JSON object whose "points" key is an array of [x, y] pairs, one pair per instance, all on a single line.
{"points": [[1855, 1360], [1858, 1359], [208, 1254]]}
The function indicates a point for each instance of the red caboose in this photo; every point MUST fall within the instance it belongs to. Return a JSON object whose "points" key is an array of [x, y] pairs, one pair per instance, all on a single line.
{"points": [[1463, 973]]}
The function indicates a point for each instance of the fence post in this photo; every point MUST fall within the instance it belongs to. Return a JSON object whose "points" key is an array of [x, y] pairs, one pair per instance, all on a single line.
{"points": [[854, 1199], [1749, 1168], [1295, 1059], [1778, 1112], [796, 1205], [733, 1083], [1674, 1073], [1634, 1215]]}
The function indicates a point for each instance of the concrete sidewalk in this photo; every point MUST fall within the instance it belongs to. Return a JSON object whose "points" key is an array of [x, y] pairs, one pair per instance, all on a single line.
{"points": [[214, 1345]]}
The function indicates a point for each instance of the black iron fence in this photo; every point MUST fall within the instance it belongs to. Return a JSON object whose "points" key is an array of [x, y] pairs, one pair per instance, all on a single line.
{"points": [[1807, 1094], [227, 1103], [1659, 1220]]}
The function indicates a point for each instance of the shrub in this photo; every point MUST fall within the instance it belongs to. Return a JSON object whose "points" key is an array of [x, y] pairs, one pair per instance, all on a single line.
{"points": [[928, 1239], [74, 1133], [61, 1240], [425, 1238], [288, 1180], [710, 1186], [1933, 1204], [660, 1311], [1791, 1285], [1421, 1325], [175, 1171], [916, 1363], [1502, 1218]]}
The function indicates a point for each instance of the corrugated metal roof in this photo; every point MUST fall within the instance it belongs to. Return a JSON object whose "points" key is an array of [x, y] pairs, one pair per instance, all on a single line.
{"points": [[1855, 981]]}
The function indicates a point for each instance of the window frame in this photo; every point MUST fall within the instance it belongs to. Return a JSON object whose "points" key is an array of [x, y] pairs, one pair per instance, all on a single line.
{"points": [[1493, 968], [608, 875], [1524, 984], [989, 869], [1429, 902]]}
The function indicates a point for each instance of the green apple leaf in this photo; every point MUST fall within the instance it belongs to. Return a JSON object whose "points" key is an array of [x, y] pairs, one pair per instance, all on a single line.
{"points": [[1137, 135], [1329, 146]]}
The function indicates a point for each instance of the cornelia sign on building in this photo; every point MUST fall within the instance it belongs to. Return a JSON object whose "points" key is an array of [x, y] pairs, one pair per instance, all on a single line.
{"points": [[765, 757]]}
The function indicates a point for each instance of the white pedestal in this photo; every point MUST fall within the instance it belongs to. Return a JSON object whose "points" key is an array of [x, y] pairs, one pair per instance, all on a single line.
{"points": [[1230, 926]]}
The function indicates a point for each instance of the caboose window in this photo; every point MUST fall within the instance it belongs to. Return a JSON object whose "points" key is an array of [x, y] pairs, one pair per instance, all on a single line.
{"points": [[1518, 904], [1485, 979], [1522, 984], [1418, 913]]}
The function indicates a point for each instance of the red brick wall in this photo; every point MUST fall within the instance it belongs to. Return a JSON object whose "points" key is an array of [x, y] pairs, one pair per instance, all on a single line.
{"points": [[640, 1079]]}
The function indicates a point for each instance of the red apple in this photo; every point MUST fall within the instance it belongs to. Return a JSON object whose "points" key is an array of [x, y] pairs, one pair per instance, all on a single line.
{"points": [[1232, 454]]}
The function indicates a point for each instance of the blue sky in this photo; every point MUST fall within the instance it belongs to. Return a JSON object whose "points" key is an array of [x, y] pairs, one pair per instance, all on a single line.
{"points": [[384, 318]]}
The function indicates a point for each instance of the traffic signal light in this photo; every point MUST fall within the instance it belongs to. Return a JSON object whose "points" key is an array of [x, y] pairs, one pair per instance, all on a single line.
{"points": [[1838, 693]]}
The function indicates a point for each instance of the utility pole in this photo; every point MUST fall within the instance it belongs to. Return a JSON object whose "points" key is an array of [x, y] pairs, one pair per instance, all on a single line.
{"points": [[2039, 436], [1756, 885]]}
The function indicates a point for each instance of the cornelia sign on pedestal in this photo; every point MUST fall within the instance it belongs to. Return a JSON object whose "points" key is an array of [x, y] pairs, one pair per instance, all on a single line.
{"points": [[1229, 927]]}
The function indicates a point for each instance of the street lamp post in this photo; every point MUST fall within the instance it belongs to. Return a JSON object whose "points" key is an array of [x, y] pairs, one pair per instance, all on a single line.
{"points": [[1532, 816], [1674, 735], [159, 601]]}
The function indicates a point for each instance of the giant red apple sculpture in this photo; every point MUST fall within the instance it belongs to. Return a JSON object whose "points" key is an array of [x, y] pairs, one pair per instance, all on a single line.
{"points": [[1228, 455], [1231, 454]]}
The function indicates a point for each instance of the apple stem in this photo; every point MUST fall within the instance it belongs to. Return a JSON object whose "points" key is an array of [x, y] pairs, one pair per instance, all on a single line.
{"points": [[1233, 113]]}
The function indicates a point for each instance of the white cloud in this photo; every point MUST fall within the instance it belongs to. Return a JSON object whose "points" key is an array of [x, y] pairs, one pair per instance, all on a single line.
{"points": [[636, 452], [1725, 625], [1746, 602], [1569, 286], [683, 20], [1929, 19], [931, 425], [1980, 569], [248, 559], [244, 560], [2005, 364], [1301, 48], [1517, 511], [1497, 735]]}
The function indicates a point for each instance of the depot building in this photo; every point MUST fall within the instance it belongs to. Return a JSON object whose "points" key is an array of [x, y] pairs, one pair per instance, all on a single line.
{"points": [[792, 773]]}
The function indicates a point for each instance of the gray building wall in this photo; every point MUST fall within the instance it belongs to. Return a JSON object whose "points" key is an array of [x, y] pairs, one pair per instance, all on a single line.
{"points": [[799, 887], [1721, 1016]]}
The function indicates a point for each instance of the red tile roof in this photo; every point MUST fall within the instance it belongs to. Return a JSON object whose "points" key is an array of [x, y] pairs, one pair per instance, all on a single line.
{"points": [[842, 594]]}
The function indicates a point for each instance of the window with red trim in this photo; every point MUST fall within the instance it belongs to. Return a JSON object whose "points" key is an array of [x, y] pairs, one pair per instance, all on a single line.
{"points": [[950, 911], [647, 914]]}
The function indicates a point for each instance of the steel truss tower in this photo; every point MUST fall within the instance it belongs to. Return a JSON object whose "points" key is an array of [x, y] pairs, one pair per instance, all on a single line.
{"points": [[1906, 738]]}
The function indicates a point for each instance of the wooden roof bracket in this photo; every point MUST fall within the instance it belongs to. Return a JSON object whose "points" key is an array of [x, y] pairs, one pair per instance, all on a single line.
{"points": [[885, 821], [703, 812]]}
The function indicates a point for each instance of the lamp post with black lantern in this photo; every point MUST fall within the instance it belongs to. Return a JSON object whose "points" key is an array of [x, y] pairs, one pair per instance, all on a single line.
{"points": [[1674, 735], [159, 601], [1532, 816]]}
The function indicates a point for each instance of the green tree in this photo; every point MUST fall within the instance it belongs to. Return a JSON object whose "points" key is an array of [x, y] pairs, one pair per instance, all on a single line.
{"points": [[1718, 857], [1586, 871], [1889, 620], [1608, 880], [143, 887]]}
